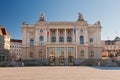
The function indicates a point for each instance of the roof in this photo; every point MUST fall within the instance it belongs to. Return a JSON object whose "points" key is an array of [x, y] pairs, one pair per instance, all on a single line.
{"points": [[16, 40], [3, 31], [117, 39]]}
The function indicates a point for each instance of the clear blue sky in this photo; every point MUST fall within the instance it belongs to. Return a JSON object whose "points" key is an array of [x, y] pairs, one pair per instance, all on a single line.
{"points": [[14, 12]]}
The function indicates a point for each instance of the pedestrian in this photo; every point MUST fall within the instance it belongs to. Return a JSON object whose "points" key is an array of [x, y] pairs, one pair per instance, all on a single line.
{"points": [[99, 63], [22, 64]]}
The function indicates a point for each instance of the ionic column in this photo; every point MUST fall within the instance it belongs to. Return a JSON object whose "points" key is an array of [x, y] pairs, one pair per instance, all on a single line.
{"points": [[65, 36], [73, 38], [57, 40]]}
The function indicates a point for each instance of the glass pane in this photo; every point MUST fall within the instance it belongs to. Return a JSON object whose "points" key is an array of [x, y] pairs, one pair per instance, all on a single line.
{"points": [[41, 40], [31, 42]]}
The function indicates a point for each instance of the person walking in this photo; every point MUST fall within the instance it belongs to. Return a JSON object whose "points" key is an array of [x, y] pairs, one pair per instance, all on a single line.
{"points": [[99, 63]]}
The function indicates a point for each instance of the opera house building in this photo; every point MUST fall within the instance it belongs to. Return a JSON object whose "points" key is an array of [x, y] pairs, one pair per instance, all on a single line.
{"points": [[61, 42]]}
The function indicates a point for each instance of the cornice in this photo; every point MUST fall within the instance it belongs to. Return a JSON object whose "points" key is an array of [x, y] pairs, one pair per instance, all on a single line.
{"points": [[62, 23]]}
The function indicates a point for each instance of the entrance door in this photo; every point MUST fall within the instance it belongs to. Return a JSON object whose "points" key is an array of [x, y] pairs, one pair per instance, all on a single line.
{"points": [[52, 59], [70, 59], [61, 59]]}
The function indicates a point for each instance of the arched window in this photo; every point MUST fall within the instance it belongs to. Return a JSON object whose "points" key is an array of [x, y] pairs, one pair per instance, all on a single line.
{"points": [[82, 53], [91, 40], [53, 39], [69, 39], [61, 39], [31, 42], [91, 53], [81, 40], [41, 40]]}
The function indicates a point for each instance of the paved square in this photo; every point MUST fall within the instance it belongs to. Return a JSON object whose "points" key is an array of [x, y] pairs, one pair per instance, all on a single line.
{"points": [[59, 73]]}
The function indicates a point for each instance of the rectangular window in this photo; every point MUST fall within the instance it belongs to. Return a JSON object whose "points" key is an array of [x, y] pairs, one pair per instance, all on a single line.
{"points": [[70, 51], [31, 54], [31, 42], [40, 54]]}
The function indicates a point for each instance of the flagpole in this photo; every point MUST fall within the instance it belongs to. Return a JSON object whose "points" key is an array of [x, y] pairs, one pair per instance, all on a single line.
{"points": [[75, 33]]}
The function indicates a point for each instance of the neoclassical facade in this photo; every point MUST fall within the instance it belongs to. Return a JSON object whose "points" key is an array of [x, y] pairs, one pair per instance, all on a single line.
{"points": [[111, 47], [15, 48], [62, 42]]}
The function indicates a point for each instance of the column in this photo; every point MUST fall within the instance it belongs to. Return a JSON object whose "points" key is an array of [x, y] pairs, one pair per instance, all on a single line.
{"points": [[27, 43], [76, 52], [65, 36], [46, 52], [73, 39], [56, 56], [49, 36], [57, 40], [66, 55], [76, 37]]}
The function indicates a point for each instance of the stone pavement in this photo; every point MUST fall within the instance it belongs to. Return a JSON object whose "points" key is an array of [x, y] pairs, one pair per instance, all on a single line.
{"points": [[60, 73]]}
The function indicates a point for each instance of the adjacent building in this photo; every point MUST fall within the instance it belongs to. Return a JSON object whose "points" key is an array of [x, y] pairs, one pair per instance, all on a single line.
{"points": [[4, 44], [61, 42], [16, 48], [111, 47]]}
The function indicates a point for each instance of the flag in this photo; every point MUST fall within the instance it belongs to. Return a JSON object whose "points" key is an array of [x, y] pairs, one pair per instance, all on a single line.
{"points": [[74, 30], [47, 31]]}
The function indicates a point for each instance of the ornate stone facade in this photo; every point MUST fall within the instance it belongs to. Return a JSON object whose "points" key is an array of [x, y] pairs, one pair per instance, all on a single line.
{"points": [[61, 43], [111, 47], [15, 48]]}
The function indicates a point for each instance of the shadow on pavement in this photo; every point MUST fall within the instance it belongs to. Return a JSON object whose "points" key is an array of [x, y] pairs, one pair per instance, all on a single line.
{"points": [[107, 68]]}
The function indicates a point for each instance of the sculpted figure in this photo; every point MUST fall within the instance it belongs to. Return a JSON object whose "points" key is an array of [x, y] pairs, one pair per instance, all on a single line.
{"points": [[42, 17], [80, 17]]}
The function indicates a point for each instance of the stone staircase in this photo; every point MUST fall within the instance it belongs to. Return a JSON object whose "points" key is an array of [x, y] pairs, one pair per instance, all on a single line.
{"points": [[78, 62], [103, 63], [89, 62], [108, 63]]}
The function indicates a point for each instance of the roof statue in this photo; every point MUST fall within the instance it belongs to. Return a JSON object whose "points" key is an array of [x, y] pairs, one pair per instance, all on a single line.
{"points": [[24, 23], [97, 23], [42, 17], [117, 39], [80, 17]]}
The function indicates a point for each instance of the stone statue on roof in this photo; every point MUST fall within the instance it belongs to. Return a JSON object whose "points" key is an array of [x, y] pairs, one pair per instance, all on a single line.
{"points": [[42, 17], [80, 17], [24, 23], [97, 23]]}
